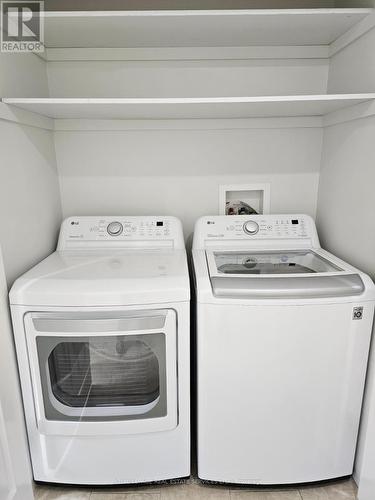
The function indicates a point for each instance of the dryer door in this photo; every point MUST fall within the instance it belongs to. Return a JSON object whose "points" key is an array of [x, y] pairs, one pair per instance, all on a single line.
{"points": [[108, 372]]}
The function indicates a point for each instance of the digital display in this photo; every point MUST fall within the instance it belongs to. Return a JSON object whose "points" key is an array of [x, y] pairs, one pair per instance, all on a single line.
{"points": [[160, 223], [294, 221]]}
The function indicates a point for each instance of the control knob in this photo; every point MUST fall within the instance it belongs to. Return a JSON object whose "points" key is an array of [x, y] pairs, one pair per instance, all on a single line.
{"points": [[114, 228], [251, 227]]}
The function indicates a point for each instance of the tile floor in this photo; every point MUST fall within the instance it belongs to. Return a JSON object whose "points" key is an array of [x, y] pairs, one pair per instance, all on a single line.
{"points": [[192, 489]]}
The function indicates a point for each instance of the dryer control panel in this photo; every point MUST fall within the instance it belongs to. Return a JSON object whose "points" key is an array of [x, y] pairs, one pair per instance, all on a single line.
{"points": [[255, 228], [120, 232]]}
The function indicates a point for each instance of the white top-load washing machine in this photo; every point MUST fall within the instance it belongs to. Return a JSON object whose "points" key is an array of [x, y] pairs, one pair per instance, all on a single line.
{"points": [[283, 332], [102, 337]]}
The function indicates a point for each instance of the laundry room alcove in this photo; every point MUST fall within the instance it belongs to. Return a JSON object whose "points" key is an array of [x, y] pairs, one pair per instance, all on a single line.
{"points": [[150, 112]]}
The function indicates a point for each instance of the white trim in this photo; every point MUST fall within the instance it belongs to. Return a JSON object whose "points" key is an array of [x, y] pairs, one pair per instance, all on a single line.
{"points": [[188, 53], [20, 101], [24, 117], [353, 34], [15, 114], [189, 107], [198, 124], [203, 13]]}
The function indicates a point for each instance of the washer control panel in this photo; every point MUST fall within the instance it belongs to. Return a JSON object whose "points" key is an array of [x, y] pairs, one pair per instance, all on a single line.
{"points": [[262, 227], [119, 231], [254, 228]]}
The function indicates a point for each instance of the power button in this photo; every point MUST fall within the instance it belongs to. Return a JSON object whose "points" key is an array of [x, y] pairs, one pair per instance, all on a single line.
{"points": [[251, 227]]}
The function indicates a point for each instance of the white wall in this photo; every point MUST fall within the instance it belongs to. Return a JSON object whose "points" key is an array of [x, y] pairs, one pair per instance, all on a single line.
{"points": [[185, 197], [346, 213], [187, 78], [346, 210], [30, 210], [353, 69], [22, 75], [30, 207], [178, 171]]}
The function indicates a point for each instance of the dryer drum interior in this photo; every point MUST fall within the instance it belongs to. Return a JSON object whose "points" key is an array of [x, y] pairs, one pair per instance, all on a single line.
{"points": [[105, 376], [106, 372]]}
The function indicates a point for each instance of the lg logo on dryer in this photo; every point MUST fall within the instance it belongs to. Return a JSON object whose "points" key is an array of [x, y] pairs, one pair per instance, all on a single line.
{"points": [[357, 312]]}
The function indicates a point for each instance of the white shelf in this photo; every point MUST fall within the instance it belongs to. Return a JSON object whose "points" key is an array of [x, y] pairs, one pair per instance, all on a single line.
{"points": [[189, 108], [199, 28]]}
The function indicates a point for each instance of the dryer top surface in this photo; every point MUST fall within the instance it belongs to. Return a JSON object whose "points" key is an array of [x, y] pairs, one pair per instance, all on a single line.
{"points": [[100, 278]]}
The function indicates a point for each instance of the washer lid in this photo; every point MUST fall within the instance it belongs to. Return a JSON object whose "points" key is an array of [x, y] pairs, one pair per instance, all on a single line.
{"points": [[285, 274], [288, 262], [122, 277]]}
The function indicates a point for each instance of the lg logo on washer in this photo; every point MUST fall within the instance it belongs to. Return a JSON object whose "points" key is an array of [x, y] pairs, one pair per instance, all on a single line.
{"points": [[357, 312]]}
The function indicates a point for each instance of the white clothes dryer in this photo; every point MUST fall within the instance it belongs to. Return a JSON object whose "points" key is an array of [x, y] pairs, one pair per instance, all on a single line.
{"points": [[283, 333], [102, 337]]}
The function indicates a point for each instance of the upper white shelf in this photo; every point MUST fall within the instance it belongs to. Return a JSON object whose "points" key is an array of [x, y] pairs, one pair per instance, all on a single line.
{"points": [[189, 108], [198, 28]]}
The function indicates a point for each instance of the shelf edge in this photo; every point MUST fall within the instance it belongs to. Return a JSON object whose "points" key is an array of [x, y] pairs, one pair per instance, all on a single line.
{"points": [[189, 100], [203, 12]]}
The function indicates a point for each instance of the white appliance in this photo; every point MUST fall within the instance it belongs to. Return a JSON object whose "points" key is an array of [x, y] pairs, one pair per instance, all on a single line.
{"points": [[102, 338], [283, 332]]}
